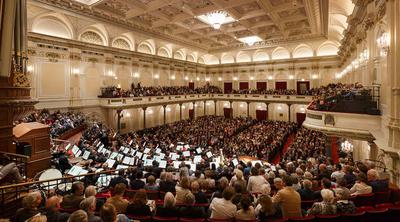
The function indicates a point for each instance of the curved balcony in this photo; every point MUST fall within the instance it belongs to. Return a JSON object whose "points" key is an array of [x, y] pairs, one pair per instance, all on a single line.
{"points": [[349, 125]]}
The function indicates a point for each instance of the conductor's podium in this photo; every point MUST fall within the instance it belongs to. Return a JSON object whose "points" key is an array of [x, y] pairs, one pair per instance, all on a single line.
{"points": [[37, 135]]}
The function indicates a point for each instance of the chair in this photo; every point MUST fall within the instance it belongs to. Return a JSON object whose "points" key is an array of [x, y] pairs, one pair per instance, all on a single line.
{"points": [[394, 195], [364, 200], [327, 217], [384, 205], [355, 217], [376, 215], [394, 212], [364, 208], [382, 197], [165, 219], [306, 204], [192, 220], [219, 220], [139, 218], [306, 218]]}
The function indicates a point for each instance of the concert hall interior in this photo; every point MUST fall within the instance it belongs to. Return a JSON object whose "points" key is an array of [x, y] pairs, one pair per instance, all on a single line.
{"points": [[199, 110]]}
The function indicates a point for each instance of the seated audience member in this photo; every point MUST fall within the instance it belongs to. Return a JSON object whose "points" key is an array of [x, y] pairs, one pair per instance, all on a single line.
{"points": [[119, 179], [168, 209], [138, 183], [198, 194], [10, 172], [288, 199], [307, 193], [167, 185], [247, 212], [223, 208], [89, 206], [188, 210], [151, 183], [138, 206], [108, 213], [118, 200], [29, 208], [256, 180], [264, 208], [238, 178], [90, 191], [361, 186], [338, 173], [341, 186], [278, 183], [377, 185], [53, 213], [343, 204], [223, 183], [37, 218], [182, 189], [349, 176], [326, 206], [78, 216], [73, 200]]}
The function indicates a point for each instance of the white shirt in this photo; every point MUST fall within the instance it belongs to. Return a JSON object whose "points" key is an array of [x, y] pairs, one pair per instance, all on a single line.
{"points": [[255, 182], [222, 209]]}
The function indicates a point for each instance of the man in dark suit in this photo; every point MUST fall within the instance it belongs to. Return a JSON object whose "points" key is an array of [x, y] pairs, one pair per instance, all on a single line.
{"points": [[138, 183], [168, 185], [119, 179], [377, 185], [307, 193], [72, 201], [53, 213]]}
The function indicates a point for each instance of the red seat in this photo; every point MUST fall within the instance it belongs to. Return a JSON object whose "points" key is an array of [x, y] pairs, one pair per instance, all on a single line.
{"points": [[328, 218], [219, 220], [192, 219], [165, 219], [383, 205], [397, 203], [382, 197], [364, 200], [140, 218], [356, 217], [364, 208], [394, 212], [246, 220], [306, 204], [306, 218], [376, 215], [394, 195]]}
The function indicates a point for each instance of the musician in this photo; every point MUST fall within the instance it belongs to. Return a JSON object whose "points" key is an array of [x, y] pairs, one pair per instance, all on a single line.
{"points": [[10, 173]]}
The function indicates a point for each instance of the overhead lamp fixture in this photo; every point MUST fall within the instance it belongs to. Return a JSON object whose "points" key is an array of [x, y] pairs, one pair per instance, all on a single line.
{"points": [[250, 40], [216, 18]]}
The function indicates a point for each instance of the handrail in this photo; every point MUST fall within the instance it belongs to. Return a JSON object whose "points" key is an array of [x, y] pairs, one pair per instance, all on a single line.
{"points": [[15, 155], [51, 180]]}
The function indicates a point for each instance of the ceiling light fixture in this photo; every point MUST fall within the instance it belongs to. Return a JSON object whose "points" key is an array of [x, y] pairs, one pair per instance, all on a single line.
{"points": [[216, 18], [250, 40]]}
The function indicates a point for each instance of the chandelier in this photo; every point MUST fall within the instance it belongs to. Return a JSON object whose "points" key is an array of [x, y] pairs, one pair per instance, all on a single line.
{"points": [[216, 18], [347, 147], [250, 40]]}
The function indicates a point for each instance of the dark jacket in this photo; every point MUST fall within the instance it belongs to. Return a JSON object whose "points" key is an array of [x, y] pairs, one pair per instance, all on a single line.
{"points": [[379, 185], [71, 201], [307, 194], [167, 186], [23, 214], [138, 210], [161, 211], [192, 212], [57, 216], [137, 184]]}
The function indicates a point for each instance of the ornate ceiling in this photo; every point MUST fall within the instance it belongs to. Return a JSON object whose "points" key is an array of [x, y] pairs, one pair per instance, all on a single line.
{"points": [[274, 21]]}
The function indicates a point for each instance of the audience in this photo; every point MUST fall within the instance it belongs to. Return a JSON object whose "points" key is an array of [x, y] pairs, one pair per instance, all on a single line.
{"points": [[117, 200], [361, 186], [139, 207], [247, 211], [288, 199], [326, 206], [223, 208], [168, 209], [73, 200], [52, 211], [30, 204]]}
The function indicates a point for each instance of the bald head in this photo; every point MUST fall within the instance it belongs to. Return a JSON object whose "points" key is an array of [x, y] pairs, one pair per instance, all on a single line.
{"points": [[53, 203]]}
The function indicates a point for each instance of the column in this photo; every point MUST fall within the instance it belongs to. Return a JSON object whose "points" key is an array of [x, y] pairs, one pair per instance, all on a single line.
{"points": [[289, 105], [205, 107], [248, 109], [165, 114], [215, 107], [119, 117], [393, 14], [266, 105], [180, 111], [144, 117]]}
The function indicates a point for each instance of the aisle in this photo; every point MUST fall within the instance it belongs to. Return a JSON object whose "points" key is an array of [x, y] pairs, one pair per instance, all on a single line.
{"points": [[288, 142], [334, 150]]}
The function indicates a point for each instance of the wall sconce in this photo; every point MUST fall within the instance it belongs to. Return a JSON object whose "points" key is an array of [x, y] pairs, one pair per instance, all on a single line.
{"points": [[195, 105], [241, 105], [168, 109], [219, 79], [128, 114], [291, 77], [251, 78], [270, 77], [119, 86], [110, 73], [156, 76], [279, 108], [183, 107], [115, 77], [383, 43], [186, 78], [226, 105], [207, 79], [136, 75], [302, 110], [75, 71], [150, 111], [198, 78], [29, 68], [315, 76], [173, 77], [235, 78]]}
